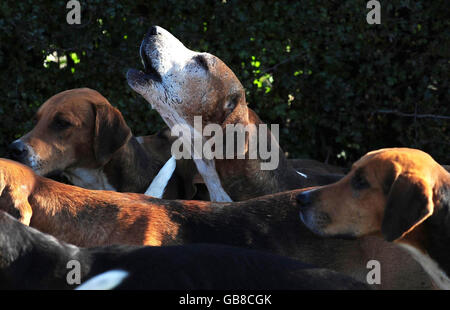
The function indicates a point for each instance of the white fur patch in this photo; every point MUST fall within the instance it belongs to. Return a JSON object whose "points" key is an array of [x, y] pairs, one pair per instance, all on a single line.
{"points": [[438, 276], [104, 281], [159, 183], [206, 167], [89, 178], [212, 181]]}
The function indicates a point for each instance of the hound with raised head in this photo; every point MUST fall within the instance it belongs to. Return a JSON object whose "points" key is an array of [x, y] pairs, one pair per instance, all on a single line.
{"points": [[182, 84]]}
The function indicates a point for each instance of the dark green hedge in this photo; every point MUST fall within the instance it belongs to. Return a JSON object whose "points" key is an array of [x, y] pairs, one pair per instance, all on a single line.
{"points": [[333, 82]]}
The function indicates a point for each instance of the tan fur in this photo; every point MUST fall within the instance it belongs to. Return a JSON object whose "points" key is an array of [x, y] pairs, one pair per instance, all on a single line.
{"points": [[79, 216], [92, 218], [362, 212], [97, 150], [55, 150], [402, 192]]}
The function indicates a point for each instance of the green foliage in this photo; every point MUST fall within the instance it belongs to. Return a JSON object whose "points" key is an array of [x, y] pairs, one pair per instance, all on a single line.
{"points": [[315, 67]]}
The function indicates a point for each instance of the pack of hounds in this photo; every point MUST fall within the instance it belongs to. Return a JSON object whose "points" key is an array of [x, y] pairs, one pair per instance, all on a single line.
{"points": [[136, 218]]}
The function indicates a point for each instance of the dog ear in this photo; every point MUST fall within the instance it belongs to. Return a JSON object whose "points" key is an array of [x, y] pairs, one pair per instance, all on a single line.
{"points": [[111, 132], [409, 203]]}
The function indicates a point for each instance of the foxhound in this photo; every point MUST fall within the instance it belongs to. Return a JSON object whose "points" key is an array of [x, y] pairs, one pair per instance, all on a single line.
{"points": [[399, 193]]}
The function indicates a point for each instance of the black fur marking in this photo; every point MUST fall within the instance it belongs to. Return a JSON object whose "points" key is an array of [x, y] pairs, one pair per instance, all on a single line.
{"points": [[201, 60], [438, 230], [149, 70], [388, 181], [33, 260], [444, 196]]}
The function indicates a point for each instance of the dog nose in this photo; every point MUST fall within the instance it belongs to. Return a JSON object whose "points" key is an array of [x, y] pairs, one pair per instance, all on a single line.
{"points": [[153, 31], [18, 150], [304, 199]]}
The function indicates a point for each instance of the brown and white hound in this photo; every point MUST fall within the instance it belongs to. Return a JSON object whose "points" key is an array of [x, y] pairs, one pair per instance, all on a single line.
{"points": [[80, 134], [94, 217], [400, 193], [181, 84]]}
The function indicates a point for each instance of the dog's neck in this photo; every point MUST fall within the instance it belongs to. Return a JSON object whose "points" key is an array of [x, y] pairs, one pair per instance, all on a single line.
{"points": [[433, 250], [206, 167], [244, 178], [438, 227], [91, 178], [130, 169], [259, 223]]}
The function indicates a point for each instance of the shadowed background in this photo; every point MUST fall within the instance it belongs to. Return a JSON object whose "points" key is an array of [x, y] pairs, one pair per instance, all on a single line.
{"points": [[337, 86]]}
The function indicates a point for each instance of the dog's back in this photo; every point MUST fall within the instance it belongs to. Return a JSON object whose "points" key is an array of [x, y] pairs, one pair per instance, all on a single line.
{"points": [[33, 260]]}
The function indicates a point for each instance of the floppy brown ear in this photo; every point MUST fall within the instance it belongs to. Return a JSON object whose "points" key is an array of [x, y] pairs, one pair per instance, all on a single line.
{"points": [[111, 132], [409, 203]]}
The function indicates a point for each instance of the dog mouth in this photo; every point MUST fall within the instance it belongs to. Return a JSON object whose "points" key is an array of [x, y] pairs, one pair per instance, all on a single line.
{"points": [[345, 236], [318, 224], [149, 72]]}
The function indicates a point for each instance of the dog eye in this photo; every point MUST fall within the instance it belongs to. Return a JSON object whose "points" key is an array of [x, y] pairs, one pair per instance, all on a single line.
{"points": [[359, 182], [232, 102], [61, 124]]}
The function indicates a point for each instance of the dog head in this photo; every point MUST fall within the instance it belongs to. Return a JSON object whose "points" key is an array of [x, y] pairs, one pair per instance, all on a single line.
{"points": [[391, 191], [75, 128], [181, 83]]}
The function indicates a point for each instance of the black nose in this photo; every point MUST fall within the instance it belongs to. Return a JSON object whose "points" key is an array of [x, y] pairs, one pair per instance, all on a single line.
{"points": [[304, 199], [18, 150], [153, 31]]}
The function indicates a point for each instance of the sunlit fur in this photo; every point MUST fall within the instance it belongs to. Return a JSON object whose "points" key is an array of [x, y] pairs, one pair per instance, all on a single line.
{"points": [[92, 217]]}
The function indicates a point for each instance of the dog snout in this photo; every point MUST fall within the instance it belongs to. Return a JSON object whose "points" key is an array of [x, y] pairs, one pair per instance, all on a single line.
{"points": [[18, 150], [153, 31]]}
